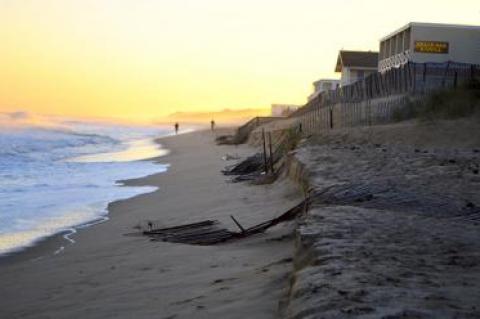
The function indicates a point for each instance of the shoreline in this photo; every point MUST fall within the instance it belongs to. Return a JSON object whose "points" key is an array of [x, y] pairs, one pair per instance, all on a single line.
{"points": [[109, 275], [49, 245]]}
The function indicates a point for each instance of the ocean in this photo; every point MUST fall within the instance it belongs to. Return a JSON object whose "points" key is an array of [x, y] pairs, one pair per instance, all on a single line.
{"points": [[59, 177]]}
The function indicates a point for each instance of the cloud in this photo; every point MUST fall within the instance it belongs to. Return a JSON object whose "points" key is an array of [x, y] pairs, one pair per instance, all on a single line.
{"points": [[17, 115], [19, 119]]}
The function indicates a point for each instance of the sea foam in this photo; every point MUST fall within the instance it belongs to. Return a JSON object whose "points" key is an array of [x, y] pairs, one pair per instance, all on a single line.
{"points": [[55, 178]]}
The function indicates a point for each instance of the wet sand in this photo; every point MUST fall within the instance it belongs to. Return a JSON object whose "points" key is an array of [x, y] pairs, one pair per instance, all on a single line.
{"points": [[108, 274]]}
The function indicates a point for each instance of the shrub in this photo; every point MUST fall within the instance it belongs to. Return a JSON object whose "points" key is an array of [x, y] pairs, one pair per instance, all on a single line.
{"points": [[449, 103], [408, 111]]}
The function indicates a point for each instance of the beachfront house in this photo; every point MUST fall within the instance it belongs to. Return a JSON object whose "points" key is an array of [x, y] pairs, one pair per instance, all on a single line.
{"points": [[283, 109], [323, 85], [430, 42], [356, 65]]}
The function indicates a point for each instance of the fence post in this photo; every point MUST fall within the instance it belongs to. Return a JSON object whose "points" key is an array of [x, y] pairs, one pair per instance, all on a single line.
{"points": [[271, 153], [382, 84], [399, 80], [331, 117], [318, 117], [408, 77], [312, 120], [394, 80], [445, 74], [264, 151], [389, 81], [424, 77], [414, 77]]}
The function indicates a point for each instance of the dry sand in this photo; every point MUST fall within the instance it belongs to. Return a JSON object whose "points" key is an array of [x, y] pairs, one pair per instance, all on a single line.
{"points": [[106, 274], [395, 232]]}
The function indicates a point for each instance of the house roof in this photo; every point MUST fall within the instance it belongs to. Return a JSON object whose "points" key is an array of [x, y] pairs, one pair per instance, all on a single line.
{"points": [[326, 80], [430, 25], [358, 59]]}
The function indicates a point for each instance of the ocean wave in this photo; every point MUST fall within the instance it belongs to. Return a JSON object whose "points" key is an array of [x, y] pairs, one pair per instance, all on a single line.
{"points": [[43, 191], [32, 142]]}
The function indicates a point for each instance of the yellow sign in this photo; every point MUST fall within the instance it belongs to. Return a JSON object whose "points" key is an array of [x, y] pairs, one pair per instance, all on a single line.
{"points": [[431, 47]]}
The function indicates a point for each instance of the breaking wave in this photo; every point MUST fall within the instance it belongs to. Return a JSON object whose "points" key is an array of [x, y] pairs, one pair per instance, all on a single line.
{"points": [[56, 177]]}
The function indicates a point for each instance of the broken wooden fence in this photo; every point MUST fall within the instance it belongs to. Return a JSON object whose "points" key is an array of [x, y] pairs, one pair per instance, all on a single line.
{"points": [[253, 167], [210, 232]]}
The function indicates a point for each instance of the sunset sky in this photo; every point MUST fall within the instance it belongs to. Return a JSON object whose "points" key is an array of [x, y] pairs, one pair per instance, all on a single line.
{"points": [[140, 60]]}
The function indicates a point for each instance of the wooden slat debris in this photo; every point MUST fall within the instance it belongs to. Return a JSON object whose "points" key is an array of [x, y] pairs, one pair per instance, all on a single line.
{"points": [[254, 168], [209, 232], [252, 164]]}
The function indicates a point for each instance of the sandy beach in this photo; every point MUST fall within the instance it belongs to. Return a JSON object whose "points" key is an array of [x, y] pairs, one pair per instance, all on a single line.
{"points": [[393, 232], [109, 274]]}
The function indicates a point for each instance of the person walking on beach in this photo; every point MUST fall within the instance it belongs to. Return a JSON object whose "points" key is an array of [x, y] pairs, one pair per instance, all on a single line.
{"points": [[212, 124], [176, 128]]}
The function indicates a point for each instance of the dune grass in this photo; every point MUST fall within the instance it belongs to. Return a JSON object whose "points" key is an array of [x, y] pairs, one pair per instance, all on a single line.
{"points": [[460, 102]]}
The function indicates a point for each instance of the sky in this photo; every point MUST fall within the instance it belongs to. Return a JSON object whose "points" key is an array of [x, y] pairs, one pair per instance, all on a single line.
{"points": [[141, 60]]}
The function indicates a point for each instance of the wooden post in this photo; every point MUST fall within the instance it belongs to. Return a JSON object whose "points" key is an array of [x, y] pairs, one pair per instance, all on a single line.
{"points": [[414, 77], [264, 151], [331, 117], [424, 74], [394, 80], [398, 80], [382, 84], [445, 74], [238, 224], [271, 153], [388, 82]]}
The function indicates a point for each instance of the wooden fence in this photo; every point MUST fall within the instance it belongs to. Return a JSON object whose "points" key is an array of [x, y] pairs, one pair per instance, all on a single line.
{"points": [[375, 99], [242, 133]]}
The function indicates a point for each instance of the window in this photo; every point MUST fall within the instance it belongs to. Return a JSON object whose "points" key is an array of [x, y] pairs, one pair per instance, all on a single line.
{"points": [[406, 40], [399, 43], [392, 46], [382, 50]]}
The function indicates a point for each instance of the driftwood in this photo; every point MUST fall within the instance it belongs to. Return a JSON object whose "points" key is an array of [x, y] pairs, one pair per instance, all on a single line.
{"points": [[209, 232]]}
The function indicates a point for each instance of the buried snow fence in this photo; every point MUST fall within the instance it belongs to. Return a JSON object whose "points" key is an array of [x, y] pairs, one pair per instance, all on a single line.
{"points": [[211, 232], [269, 162]]}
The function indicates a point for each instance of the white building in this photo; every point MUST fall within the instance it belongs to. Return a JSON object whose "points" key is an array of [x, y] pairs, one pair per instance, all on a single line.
{"points": [[283, 109], [430, 42], [356, 65], [322, 86]]}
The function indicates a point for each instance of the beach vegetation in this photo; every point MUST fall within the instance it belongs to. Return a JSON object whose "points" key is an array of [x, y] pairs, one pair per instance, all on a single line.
{"points": [[447, 104]]}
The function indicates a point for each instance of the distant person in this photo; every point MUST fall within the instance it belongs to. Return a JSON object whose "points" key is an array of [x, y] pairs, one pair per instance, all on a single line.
{"points": [[212, 124], [176, 128]]}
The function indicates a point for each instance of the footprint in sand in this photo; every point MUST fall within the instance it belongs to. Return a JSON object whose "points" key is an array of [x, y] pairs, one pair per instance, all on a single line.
{"points": [[182, 302], [218, 281]]}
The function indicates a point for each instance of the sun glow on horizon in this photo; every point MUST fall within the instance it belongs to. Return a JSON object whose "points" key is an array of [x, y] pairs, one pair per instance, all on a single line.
{"points": [[141, 60]]}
